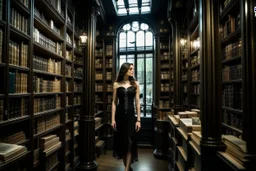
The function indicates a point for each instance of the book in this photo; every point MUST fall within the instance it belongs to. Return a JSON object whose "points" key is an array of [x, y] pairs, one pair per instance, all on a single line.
{"points": [[232, 141], [187, 126], [8, 151]]}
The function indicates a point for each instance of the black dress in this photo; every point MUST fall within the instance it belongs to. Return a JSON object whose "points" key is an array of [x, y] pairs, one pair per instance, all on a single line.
{"points": [[125, 134]]}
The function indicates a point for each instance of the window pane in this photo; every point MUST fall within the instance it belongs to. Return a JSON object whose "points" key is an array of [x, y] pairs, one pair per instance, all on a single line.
{"points": [[134, 10], [122, 60], [149, 78], [122, 40], [140, 39], [122, 11], [127, 27], [130, 39], [145, 9], [149, 39], [144, 26]]}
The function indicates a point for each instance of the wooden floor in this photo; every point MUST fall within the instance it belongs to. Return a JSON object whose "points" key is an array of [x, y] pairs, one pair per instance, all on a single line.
{"points": [[146, 162]]}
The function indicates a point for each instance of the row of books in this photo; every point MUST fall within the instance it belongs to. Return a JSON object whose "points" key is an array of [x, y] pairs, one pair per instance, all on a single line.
{"points": [[69, 55], [232, 50], [99, 52], [51, 45], [18, 82], [164, 104], [78, 87], [46, 103], [56, 4], [98, 87], [10, 152], [13, 137], [77, 100], [195, 75], [45, 123], [164, 45], [68, 70], [18, 53], [47, 21], [68, 39], [98, 121], [1, 44], [19, 21], [232, 24], [195, 60], [232, 72], [40, 84], [25, 2], [78, 60], [165, 87], [232, 96], [236, 151], [166, 74], [109, 50], [196, 89], [233, 119], [78, 72], [49, 65], [17, 107]]}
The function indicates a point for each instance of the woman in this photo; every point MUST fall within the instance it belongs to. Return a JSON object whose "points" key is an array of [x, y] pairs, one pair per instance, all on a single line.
{"points": [[125, 90]]}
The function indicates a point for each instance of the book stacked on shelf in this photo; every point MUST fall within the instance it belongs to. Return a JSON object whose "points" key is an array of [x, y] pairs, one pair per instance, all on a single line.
{"points": [[49, 143], [196, 138], [10, 152], [236, 149], [76, 128], [14, 138], [98, 121]]}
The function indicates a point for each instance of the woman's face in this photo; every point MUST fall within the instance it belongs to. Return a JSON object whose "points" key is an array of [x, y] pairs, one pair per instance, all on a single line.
{"points": [[130, 71]]}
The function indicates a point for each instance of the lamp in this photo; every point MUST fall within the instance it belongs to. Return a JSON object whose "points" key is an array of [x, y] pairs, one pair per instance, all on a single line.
{"points": [[183, 41], [83, 38]]}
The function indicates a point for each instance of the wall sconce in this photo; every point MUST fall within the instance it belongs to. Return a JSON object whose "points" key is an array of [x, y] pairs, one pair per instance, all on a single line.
{"points": [[83, 39], [183, 42], [196, 44]]}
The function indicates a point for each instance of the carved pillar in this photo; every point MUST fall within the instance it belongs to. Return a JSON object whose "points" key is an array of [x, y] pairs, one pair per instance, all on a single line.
{"points": [[86, 122], [249, 78], [210, 82], [176, 30]]}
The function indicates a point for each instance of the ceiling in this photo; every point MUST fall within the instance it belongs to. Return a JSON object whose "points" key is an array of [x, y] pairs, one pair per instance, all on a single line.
{"points": [[158, 9]]}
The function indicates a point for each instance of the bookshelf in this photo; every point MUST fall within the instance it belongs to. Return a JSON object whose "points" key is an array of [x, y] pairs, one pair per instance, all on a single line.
{"points": [[231, 45], [42, 67], [164, 92], [194, 62], [104, 78]]}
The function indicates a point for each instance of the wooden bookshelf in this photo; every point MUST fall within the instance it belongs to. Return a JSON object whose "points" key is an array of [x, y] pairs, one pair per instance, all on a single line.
{"points": [[104, 79], [41, 64]]}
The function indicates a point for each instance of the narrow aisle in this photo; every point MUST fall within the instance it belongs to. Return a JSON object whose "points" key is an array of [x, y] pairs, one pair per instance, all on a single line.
{"points": [[147, 162]]}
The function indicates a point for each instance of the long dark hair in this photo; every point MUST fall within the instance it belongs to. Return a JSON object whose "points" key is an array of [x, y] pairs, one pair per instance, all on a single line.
{"points": [[122, 71]]}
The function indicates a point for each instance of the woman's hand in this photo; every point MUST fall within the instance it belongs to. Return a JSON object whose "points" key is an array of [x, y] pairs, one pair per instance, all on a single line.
{"points": [[113, 124], [138, 126]]}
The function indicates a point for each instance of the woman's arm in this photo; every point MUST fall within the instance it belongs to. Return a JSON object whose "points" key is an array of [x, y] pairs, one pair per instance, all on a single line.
{"points": [[113, 111], [137, 101]]}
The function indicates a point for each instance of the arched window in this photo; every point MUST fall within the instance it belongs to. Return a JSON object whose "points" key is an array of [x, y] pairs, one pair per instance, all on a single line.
{"points": [[136, 46]]}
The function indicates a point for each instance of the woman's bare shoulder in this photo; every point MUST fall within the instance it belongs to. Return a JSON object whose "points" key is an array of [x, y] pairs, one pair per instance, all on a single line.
{"points": [[115, 85]]}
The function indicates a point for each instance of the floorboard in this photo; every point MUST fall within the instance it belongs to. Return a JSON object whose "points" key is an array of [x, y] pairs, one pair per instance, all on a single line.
{"points": [[147, 162]]}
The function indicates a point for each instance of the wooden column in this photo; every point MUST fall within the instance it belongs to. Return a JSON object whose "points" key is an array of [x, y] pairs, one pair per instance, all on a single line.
{"points": [[87, 122], [176, 30], [248, 20], [210, 82]]}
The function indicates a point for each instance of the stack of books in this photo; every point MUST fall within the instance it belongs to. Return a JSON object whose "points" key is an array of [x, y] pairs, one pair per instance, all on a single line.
{"points": [[236, 149], [196, 138], [10, 152], [49, 143]]}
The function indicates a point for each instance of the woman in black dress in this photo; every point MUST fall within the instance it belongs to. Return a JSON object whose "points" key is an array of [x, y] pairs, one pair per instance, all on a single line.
{"points": [[124, 122]]}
